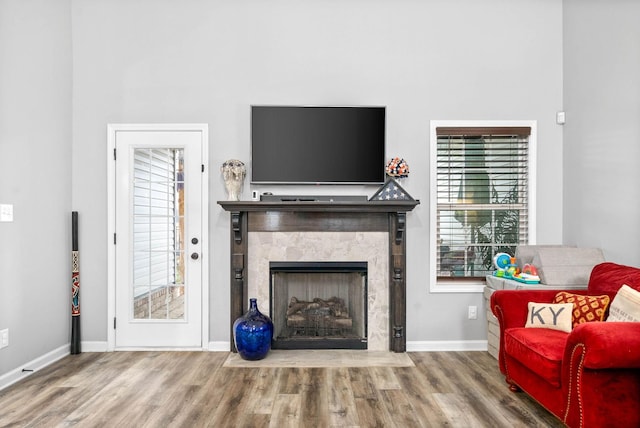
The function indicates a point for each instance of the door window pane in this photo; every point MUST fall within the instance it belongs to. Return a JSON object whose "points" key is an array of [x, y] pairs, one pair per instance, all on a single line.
{"points": [[158, 234]]}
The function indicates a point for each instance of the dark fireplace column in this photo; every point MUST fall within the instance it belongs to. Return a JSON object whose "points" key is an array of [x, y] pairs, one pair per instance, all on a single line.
{"points": [[397, 282], [238, 280]]}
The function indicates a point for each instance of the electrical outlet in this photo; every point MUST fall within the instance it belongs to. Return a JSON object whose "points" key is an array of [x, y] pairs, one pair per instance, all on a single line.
{"points": [[4, 338], [473, 312]]}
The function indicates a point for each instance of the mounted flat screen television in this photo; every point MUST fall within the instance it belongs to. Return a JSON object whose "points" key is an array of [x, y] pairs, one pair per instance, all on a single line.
{"points": [[317, 145]]}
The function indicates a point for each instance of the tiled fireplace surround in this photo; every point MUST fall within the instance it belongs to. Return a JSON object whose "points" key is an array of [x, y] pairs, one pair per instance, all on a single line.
{"points": [[294, 231], [327, 246]]}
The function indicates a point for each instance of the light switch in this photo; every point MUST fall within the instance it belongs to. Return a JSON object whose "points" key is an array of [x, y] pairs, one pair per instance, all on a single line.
{"points": [[4, 338], [6, 212]]}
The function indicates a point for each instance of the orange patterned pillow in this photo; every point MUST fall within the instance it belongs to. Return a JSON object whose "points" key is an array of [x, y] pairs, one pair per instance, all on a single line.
{"points": [[585, 308]]}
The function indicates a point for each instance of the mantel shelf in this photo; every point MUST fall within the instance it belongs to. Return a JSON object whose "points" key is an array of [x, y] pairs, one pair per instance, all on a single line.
{"points": [[320, 206]]}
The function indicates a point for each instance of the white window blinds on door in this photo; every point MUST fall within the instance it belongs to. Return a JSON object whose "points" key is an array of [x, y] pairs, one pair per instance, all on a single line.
{"points": [[482, 197], [156, 219]]}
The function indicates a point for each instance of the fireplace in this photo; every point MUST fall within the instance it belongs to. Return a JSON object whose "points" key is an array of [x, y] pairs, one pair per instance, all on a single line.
{"points": [[319, 305], [371, 231]]}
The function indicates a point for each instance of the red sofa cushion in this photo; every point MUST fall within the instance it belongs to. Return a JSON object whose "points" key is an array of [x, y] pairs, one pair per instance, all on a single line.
{"points": [[539, 349]]}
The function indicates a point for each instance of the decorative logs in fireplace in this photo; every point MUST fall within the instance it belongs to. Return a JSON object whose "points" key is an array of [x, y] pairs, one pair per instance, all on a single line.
{"points": [[318, 317], [319, 304]]}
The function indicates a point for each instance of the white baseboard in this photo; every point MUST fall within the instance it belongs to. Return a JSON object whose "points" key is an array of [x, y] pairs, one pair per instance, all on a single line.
{"points": [[93, 346], [33, 366], [221, 346], [447, 345]]}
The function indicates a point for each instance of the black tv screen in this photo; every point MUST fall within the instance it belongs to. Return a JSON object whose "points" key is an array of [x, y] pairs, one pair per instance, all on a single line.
{"points": [[311, 145]]}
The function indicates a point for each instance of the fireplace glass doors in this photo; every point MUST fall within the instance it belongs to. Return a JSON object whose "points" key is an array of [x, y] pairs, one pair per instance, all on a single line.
{"points": [[319, 305]]}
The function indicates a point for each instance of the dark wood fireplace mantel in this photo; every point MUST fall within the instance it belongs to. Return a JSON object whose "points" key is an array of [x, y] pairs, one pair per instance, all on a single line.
{"points": [[313, 216]]}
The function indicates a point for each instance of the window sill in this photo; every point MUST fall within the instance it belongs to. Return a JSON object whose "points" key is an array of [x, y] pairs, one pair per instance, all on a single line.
{"points": [[458, 286]]}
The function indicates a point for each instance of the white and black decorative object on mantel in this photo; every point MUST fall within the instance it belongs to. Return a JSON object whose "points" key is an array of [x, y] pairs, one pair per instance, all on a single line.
{"points": [[233, 172]]}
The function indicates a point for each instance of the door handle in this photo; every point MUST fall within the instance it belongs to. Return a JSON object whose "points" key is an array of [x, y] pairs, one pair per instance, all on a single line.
{"points": [[194, 256]]}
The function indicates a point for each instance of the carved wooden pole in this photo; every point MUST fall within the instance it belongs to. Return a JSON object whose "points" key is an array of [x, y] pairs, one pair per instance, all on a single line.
{"points": [[75, 286]]}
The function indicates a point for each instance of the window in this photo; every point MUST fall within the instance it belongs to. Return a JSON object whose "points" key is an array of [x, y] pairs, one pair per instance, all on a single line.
{"points": [[481, 198]]}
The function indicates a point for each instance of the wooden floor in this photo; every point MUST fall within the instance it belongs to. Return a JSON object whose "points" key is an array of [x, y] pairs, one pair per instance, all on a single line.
{"points": [[193, 389]]}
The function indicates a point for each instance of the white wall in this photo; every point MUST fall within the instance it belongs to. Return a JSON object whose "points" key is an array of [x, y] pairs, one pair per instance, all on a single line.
{"points": [[203, 61], [602, 134], [35, 176]]}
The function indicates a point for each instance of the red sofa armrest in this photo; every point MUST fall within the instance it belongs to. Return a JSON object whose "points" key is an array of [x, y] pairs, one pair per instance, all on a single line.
{"points": [[510, 306], [605, 345], [600, 375]]}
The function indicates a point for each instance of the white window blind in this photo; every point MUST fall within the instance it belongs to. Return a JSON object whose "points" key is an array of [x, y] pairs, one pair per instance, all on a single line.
{"points": [[482, 197], [156, 220]]}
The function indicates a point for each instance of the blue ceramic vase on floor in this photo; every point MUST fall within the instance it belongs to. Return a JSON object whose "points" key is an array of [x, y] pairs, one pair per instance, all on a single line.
{"points": [[252, 333]]}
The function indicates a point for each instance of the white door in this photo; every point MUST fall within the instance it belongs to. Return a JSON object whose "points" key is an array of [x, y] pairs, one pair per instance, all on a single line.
{"points": [[159, 237]]}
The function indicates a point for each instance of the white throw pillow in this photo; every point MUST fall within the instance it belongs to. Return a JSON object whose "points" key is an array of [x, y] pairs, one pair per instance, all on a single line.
{"points": [[556, 316], [625, 306]]}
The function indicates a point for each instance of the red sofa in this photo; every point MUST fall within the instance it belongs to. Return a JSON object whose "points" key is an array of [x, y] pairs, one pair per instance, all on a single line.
{"points": [[589, 377]]}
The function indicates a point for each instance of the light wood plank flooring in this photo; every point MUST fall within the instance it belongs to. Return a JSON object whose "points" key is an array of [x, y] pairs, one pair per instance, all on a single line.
{"points": [[193, 389]]}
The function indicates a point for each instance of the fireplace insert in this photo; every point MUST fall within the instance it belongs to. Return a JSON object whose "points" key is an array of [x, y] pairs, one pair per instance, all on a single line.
{"points": [[319, 305]]}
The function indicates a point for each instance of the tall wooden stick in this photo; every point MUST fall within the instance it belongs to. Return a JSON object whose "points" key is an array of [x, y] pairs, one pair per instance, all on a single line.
{"points": [[75, 286]]}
